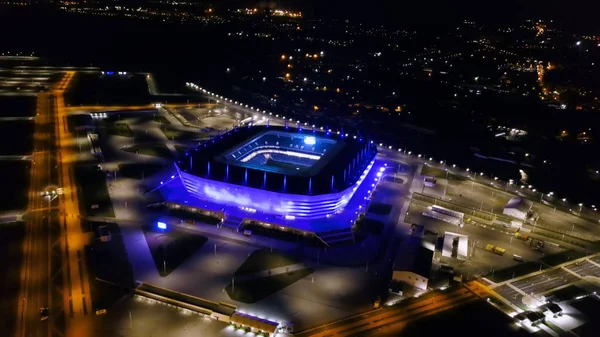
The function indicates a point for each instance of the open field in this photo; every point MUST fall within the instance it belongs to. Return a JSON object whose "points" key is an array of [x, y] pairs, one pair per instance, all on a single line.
{"points": [[98, 89], [17, 106], [15, 189], [94, 198], [11, 238], [16, 138], [119, 129], [109, 269], [172, 247]]}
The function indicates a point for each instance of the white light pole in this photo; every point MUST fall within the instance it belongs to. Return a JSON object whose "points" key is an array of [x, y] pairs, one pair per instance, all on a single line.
{"points": [[510, 182], [580, 207]]}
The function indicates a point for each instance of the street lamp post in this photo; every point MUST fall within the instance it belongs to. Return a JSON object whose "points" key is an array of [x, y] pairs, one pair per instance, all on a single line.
{"points": [[580, 208], [446, 187]]}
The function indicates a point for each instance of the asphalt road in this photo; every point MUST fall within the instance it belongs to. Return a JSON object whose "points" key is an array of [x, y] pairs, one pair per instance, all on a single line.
{"points": [[35, 274], [585, 268], [77, 297], [545, 281], [377, 320]]}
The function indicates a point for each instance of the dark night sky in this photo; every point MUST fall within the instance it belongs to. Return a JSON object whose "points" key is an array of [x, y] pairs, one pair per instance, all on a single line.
{"points": [[574, 13]]}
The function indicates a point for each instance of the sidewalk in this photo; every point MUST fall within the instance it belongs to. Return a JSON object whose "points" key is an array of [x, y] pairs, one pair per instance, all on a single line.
{"points": [[271, 272]]}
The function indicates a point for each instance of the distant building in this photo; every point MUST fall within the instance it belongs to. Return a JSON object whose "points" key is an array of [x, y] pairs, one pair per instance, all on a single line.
{"points": [[413, 261], [518, 207]]}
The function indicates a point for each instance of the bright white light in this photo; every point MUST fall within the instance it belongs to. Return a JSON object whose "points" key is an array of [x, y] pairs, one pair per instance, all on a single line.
{"points": [[161, 225], [310, 140], [287, 153]]}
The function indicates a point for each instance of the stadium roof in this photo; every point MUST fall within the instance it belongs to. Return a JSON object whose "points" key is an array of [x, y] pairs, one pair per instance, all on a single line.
{"points": [[340, 171]]}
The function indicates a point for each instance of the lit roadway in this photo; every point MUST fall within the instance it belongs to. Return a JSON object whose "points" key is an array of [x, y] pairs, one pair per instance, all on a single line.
{"points": [[395, 316], [35, 273], [77, 298], [126, 107], [39, 286]]}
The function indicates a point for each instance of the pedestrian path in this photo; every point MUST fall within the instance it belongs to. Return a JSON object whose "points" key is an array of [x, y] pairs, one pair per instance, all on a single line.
{"points": [[270, 272]]}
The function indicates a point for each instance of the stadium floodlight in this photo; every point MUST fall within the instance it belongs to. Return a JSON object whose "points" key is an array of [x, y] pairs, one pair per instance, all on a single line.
{"points": [[310, 140]]}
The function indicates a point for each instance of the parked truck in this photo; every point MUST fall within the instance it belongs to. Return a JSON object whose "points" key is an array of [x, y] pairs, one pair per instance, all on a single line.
{"points": [[495, 249], [521, 236]]}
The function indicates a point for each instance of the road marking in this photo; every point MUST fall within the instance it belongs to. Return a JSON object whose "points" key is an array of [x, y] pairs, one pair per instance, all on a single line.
{"points": [[592, 262], [570, 271]]}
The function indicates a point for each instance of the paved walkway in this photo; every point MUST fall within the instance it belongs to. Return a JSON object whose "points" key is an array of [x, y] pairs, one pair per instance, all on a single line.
{"points": [[270, 272], [170, 117]]}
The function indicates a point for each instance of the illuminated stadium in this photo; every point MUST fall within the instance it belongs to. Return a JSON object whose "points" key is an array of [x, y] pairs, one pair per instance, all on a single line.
{"points": [[287, 176]]}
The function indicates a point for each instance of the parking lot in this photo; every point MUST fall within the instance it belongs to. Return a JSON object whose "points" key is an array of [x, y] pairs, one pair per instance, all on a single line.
{"points": [[585, 268], [546, 281], [481, 261], [493, 197]]}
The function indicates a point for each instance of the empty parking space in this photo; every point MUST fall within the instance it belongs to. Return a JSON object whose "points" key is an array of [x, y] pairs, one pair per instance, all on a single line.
{"points": [[584, 268]]}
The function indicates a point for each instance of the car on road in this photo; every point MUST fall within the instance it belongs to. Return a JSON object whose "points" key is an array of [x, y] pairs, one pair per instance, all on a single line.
{"points": [[44, 313]]}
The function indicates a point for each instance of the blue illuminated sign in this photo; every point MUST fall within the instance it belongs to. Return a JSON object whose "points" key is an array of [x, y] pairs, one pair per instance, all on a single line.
{"points": [[110, 73]]}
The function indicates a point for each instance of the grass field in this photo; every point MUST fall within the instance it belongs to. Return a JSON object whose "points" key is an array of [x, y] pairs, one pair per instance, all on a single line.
{"points": [[15, 196], [108, 262], [95, 200], [17, 106], [175, 134], [11, 239], [170, 248], [254, 290], [16, 137], [119, 129], [98, 89]]}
